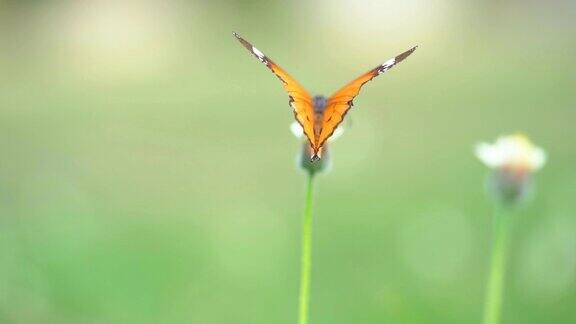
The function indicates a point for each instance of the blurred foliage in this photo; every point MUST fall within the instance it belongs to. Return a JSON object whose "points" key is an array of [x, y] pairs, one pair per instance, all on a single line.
{"points": [[148, 174]]}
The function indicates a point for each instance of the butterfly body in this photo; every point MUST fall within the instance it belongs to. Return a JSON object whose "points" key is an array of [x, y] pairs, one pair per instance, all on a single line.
{"points": [[320, 104], [319, 116]]}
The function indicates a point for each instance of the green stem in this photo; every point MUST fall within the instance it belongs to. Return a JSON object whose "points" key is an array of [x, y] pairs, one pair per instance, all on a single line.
{"points": [[495, 288], [306, 261]]}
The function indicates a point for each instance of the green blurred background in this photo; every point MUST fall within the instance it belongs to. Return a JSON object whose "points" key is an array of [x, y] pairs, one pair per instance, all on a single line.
{"points": [[147, 173]]}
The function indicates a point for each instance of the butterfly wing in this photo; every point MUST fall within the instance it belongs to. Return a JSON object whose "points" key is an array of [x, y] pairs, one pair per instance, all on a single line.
{"points": [[341, 101], [300, 100]]}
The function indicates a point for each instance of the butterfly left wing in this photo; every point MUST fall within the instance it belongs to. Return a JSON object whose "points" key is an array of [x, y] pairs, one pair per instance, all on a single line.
{"points": [[341, 101], [300, 100]]}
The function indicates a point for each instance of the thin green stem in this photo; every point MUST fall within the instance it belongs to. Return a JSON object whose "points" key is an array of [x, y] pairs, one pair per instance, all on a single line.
{"points": [[495, 287], [306, 262]]}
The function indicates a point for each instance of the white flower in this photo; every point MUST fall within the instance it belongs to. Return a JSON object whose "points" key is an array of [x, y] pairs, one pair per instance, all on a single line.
{"points": [[514, 152], [298, 131]]}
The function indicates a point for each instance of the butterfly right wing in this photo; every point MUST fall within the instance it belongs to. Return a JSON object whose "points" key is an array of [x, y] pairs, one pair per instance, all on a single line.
{"points": [[340, 102], [300, 100]]}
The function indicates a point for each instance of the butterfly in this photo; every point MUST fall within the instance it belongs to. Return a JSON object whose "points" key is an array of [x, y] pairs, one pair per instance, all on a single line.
{"points": [[320, 116]]}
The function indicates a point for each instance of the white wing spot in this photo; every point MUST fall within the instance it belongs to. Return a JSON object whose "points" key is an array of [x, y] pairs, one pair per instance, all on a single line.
{"points": [[258, 53], [387, 65], [389, 62]]}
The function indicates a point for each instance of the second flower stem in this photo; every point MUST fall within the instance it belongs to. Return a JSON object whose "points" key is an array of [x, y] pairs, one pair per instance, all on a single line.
{"points": [[495, 287], [306, 262]]}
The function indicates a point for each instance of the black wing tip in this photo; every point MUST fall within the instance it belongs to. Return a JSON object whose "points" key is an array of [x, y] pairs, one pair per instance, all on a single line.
{"points": [[243, 41], [401, 57]]}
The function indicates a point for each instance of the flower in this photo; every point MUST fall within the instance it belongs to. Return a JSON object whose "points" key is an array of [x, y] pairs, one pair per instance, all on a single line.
{"points": [[298, 131], [512, 152], [513, 160], [304, 162]]}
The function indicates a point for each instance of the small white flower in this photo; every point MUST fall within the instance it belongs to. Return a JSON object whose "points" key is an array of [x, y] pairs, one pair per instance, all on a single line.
{"points": [[514, 152], [298, 131], [337, 133]]}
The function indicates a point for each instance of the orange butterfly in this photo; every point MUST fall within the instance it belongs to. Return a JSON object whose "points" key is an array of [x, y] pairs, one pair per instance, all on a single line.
{"points": [[319, 116]]}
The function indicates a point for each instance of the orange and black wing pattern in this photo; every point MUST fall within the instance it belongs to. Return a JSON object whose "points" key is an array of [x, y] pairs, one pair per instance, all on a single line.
{"points": [[341, 101], [300, 100]]}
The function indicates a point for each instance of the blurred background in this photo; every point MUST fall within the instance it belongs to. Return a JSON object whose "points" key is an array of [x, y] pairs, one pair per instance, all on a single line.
{"points": [[148, 175]]}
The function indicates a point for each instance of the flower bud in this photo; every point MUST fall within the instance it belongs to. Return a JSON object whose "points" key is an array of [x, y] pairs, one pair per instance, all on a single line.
{"points": [[314, 166], [509, 186]]}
